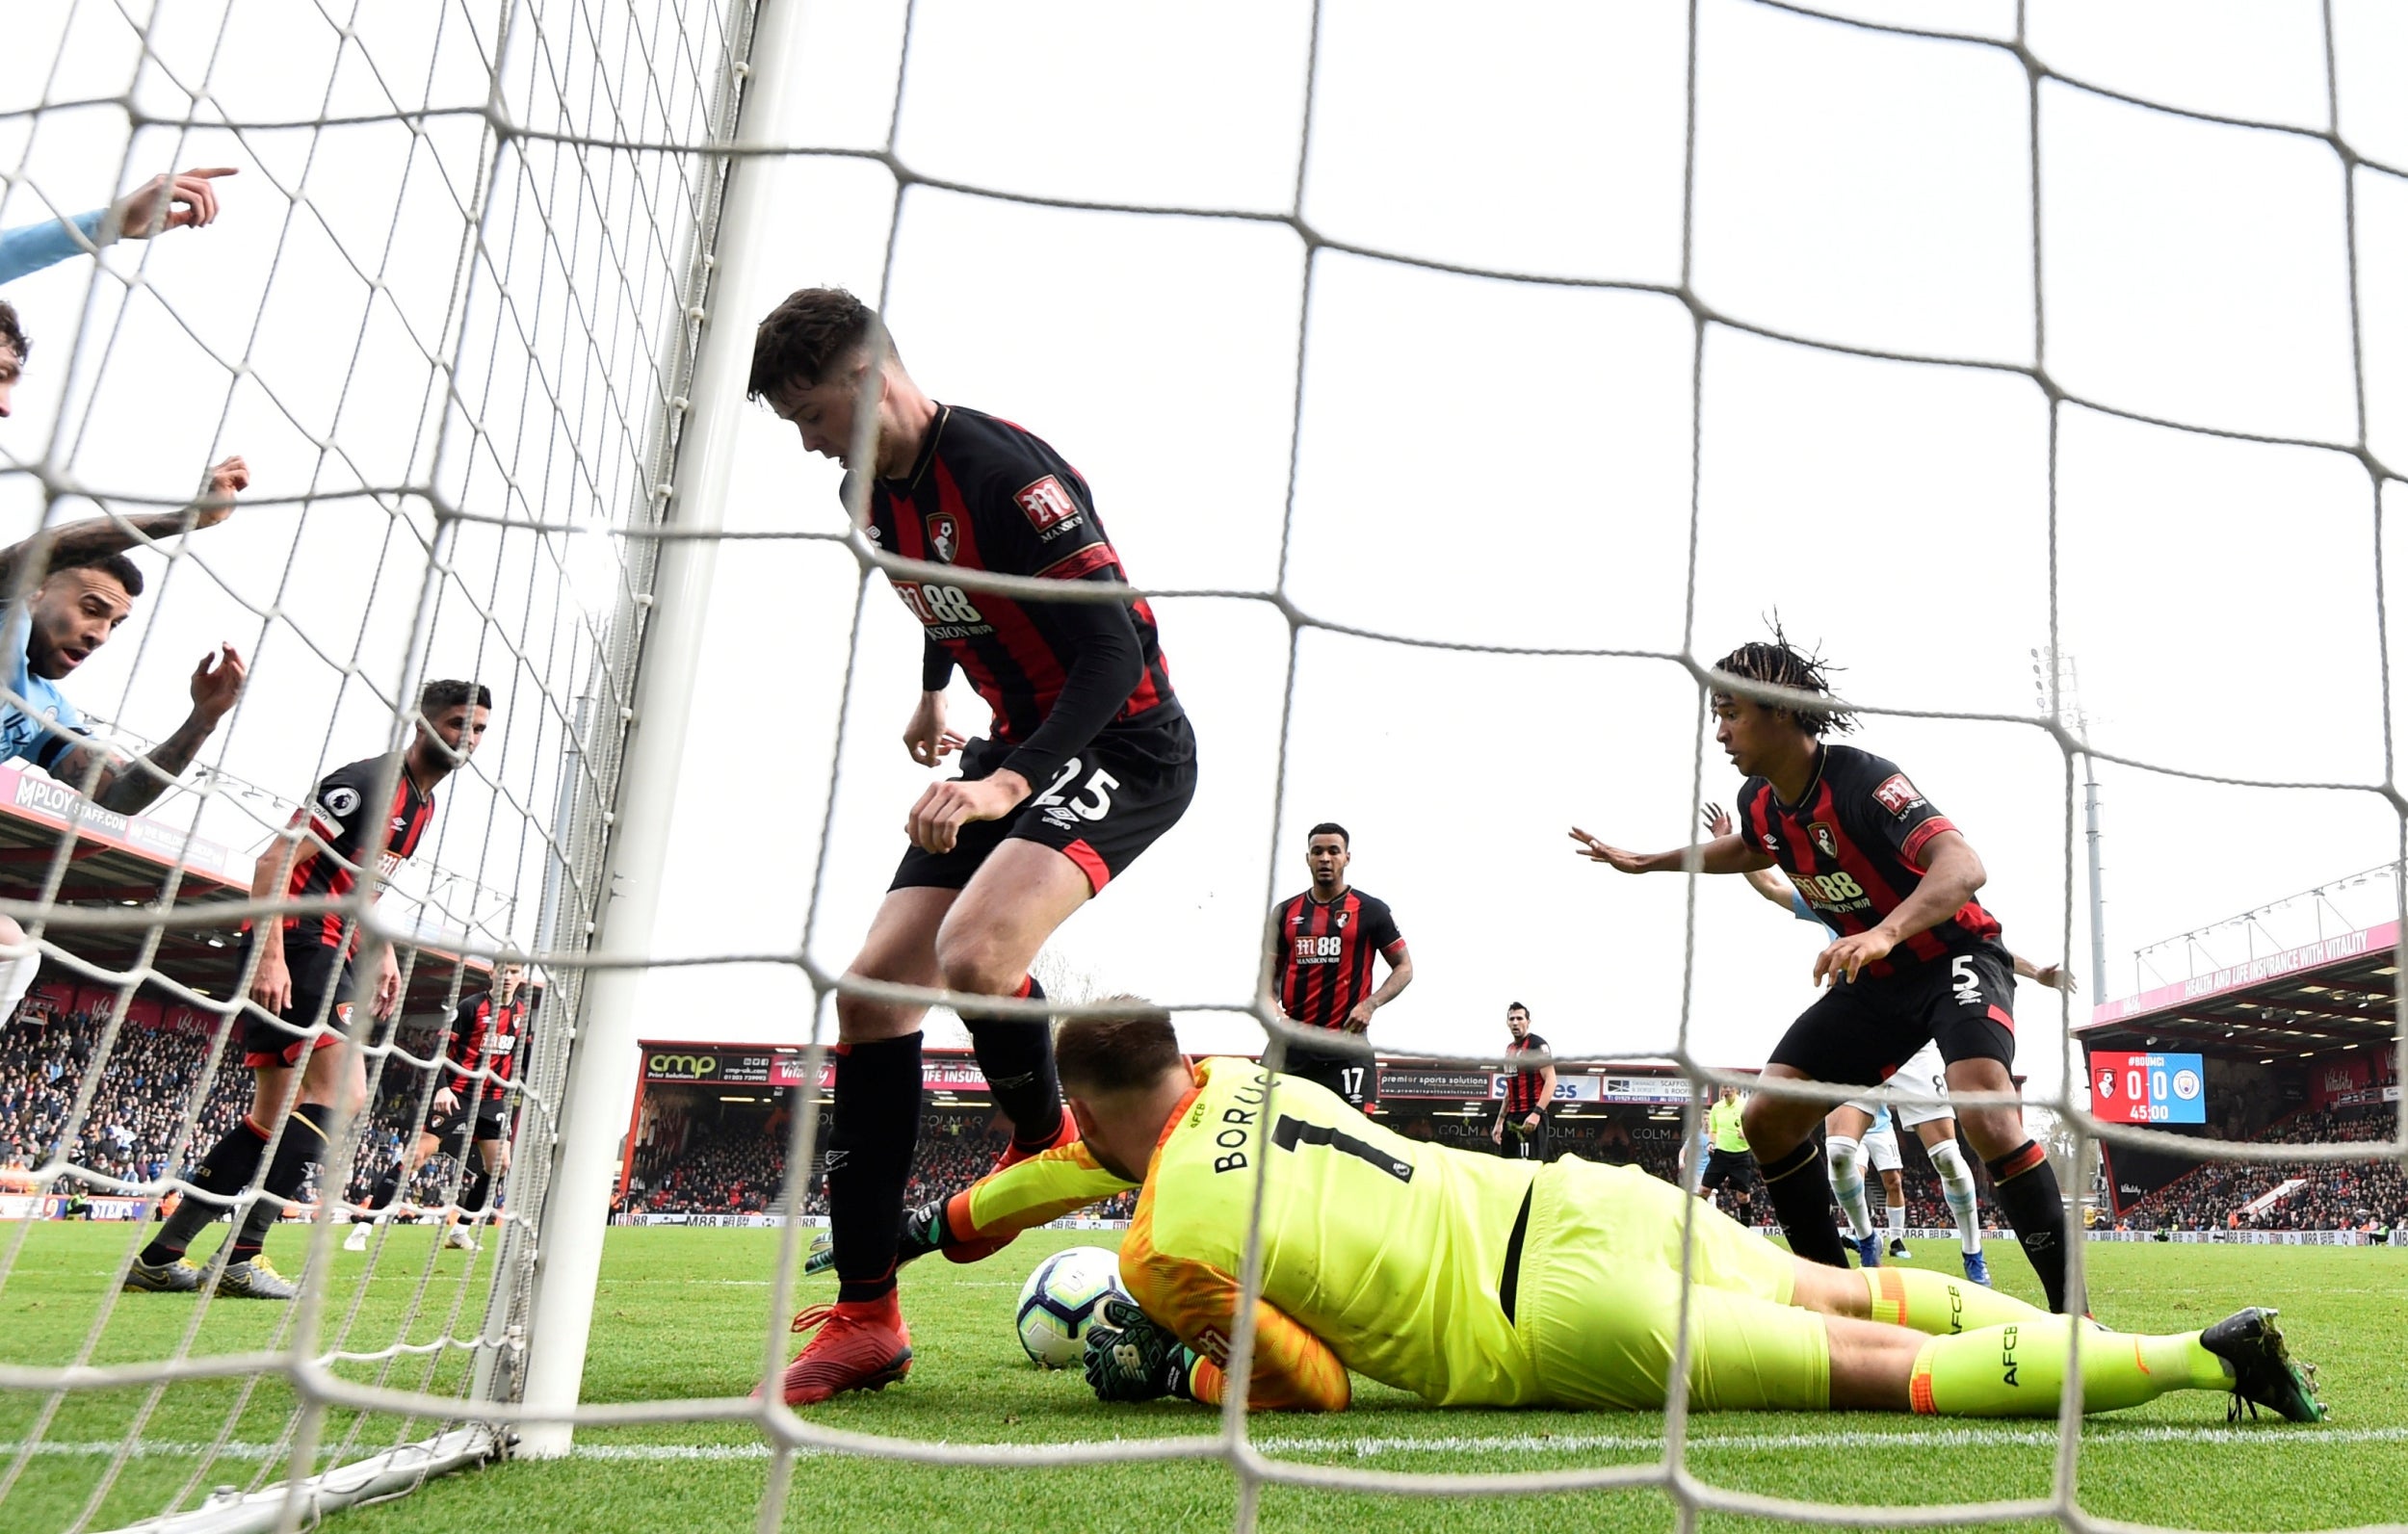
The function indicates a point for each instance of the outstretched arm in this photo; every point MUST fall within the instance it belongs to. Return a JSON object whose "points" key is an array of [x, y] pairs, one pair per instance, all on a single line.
{"points": [[127, 786], [1724, 854], [1765, 881], [2055, 977], [94, 537]]}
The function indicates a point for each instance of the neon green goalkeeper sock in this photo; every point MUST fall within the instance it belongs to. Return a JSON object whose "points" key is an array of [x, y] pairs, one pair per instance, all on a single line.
{"points": [[1940, 1305], [2019, 1370]]}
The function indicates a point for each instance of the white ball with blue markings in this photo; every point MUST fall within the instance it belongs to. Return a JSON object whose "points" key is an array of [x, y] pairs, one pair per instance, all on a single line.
{"points": [[1059, 1301]]}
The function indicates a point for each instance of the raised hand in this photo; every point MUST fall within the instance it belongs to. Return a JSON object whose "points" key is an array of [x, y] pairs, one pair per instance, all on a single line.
{"points": [[189, 199], [1613, 857]]}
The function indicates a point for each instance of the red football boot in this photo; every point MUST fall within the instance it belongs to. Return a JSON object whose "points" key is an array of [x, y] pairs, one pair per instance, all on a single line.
{"points": [[1014, 1155], [861, 1346]]}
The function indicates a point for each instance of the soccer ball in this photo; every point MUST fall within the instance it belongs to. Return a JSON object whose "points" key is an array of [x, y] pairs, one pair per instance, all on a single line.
{"points": [[1059, 1299]]}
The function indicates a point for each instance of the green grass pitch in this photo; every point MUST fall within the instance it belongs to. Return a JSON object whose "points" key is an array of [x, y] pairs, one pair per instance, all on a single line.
{"points": [[681, 1312]]}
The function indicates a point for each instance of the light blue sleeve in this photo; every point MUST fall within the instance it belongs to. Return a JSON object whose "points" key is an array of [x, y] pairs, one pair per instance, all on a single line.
{"points": [[34, 246], [1799, 909]]}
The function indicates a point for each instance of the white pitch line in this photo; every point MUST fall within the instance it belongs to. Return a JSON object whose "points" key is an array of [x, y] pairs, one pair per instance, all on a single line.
{"points": [[1585, 1443], [1450, 1445]]}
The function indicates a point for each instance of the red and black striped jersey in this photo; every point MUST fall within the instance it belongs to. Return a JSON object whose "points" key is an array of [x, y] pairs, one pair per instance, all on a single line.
{"points": [[1525, 1088], [1325, 954], [485, 1033], [986, 495], [342, 824], [1853, 847]]}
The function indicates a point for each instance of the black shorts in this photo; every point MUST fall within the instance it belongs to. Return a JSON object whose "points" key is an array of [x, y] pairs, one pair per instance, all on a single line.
{"points": [[1103, 807], [492, 1120], [317, 970], [1353, 1076], [1860, 1033], [1525, 1145], [1726, 1166]]}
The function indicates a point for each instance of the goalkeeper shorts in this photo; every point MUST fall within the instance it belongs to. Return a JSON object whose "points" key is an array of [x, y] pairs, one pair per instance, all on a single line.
{"points": [[1600, 1300]]}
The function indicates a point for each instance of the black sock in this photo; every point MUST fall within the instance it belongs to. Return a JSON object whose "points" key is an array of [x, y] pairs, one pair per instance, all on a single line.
{"points": [[874, 1130], [2023, 1185], [1801, 1191], [227, 1169], [475, 1186], [302, 1143], [1016, 1056], [388, 1188]]}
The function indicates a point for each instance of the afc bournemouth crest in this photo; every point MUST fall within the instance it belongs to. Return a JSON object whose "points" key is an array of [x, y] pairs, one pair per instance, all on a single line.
{"points": [[1826, 841], [1341, 918], [944, 537]]}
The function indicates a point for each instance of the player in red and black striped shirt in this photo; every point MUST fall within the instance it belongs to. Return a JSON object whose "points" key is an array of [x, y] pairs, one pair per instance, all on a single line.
{"points": [[1915, 957], [1529, 1093], [300, 985], [1321, 944], [486, 1032], [1089, 759]]}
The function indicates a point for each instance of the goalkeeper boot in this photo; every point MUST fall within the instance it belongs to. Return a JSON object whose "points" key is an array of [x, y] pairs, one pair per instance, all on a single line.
{"points": [[1977, 1268], [178, 1277], [1868, 1251], [2263, 1373], [254, 1279], [862, 1345]]}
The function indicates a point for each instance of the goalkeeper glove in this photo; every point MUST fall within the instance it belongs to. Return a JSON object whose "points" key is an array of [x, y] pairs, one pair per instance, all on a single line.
{"points": [[924, 1231], [1131, 1356]]}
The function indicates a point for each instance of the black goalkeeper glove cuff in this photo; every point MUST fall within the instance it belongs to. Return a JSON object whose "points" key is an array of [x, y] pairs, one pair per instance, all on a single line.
{"points": [[1130, 1357]]}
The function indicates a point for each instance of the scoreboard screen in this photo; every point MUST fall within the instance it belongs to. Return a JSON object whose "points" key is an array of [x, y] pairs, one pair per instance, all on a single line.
{"points": [[2130, 1087]]}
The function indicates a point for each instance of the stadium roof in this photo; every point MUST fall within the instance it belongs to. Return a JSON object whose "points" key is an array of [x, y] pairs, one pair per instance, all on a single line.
{"points": [[117, 861], [2335, 993]]}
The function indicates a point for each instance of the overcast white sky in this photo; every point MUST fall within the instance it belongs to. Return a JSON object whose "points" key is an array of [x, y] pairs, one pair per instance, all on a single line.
{"points": [[1480, 461]]}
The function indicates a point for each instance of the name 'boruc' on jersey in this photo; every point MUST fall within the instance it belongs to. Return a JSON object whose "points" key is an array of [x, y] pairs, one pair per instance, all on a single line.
{"points": [[1853, 845], [985, 495]]}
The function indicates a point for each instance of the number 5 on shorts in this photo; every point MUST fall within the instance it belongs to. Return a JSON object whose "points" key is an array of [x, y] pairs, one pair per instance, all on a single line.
{"points": [[1966, 983]]}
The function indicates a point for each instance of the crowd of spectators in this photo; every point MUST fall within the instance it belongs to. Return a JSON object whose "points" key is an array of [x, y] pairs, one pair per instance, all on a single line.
{"points": [[2336, 1195], [139, 1102], [740, 1168], [141, 1096]]}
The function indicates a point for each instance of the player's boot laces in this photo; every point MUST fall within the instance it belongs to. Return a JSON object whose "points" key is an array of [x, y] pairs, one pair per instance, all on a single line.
{"points": [[860, 1346], [2263, 1371]]}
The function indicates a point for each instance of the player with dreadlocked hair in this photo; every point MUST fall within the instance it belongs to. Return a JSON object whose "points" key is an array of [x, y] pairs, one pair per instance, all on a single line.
{"points": [[1916, 958]]}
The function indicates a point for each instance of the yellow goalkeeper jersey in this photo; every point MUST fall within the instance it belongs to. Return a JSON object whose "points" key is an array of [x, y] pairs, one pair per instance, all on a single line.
{"points": [[1381, 1253]]}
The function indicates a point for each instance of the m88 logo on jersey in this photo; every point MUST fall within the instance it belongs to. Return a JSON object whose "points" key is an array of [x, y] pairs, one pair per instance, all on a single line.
{"points": [[1311, 950], [931, 603], [1831, 889]]}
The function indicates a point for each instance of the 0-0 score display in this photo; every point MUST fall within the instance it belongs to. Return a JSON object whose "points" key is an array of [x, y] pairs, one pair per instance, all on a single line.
{"points": [[2130, 1087]]}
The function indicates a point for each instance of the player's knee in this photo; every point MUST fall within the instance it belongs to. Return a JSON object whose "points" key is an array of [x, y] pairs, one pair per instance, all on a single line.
{"points": [[1846, 1157], [1949, 1162], [1771, 1126], [977, 962]]}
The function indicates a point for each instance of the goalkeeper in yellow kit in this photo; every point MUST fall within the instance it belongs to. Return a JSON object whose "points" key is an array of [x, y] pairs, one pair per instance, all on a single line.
{"points": [[1475, 1281]]}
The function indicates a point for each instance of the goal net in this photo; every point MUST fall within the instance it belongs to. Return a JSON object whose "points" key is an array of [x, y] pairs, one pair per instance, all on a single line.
{"points": [[447, 317], [1536, 397]]}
